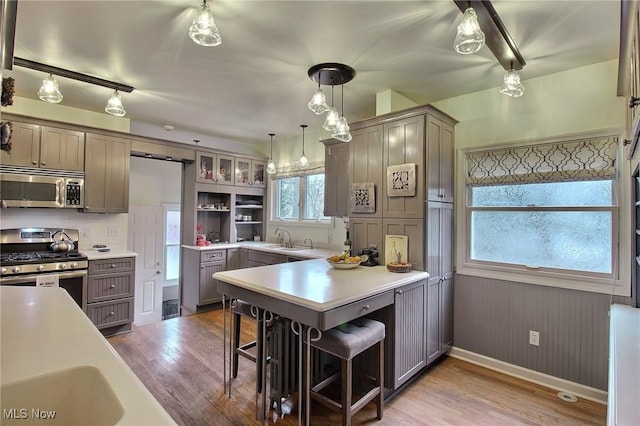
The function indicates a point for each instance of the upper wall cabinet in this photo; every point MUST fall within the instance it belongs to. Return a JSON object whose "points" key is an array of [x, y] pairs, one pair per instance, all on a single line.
{"points": [[106, 179], [215, 168], [250, 172], [439, 160], [336, 178], [45, 147], [366, 164]]}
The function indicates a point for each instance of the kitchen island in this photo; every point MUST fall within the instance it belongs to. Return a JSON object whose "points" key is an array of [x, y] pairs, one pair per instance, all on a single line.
{"points": [[317, 297], [57, 366]]}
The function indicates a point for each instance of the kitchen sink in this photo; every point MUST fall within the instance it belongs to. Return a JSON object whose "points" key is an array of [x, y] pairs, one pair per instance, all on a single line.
{"points": [[279, 247], [76, 396]]}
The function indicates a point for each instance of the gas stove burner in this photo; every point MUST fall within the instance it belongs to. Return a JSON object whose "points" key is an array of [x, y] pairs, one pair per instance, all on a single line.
{"points": [[23, 256]]}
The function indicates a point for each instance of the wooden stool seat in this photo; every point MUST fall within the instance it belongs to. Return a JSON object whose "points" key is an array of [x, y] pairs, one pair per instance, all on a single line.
{"points": [[345, 342]]}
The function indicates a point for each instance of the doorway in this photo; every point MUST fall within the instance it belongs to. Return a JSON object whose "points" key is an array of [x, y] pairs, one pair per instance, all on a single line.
{"points": [[154, 234]]}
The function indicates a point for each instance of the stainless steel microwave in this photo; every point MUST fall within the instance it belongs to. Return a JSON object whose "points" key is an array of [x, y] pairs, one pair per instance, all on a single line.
{"points": [[50, 188]]}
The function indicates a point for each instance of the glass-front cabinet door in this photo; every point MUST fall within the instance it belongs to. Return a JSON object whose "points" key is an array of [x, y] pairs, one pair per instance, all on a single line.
{"points": [[259, 173], [225, 169], [243, 171], [206, 165]]}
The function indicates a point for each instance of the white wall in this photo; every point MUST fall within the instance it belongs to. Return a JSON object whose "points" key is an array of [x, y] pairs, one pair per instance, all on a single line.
{"points": [[154, 182]]}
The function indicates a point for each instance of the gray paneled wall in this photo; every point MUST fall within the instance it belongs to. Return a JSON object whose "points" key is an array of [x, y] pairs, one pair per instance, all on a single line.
{"points": [[493, 318]]}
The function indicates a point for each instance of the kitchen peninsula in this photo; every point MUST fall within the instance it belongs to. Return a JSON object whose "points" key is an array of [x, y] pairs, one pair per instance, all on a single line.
{"points": [[316, 296]]}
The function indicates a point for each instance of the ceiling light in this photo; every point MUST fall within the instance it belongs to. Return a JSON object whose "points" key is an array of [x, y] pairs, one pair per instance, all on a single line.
{"points": [[470, 37], [318, 103], [303, 162], [114, 105], [271, 167], [203, 30], [512, 85], [341, 131], [331, 74], [49, 91]]}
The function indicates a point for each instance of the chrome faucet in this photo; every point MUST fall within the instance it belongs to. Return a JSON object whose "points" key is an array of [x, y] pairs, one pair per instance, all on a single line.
{"points": [[310, 242], [287, 244]]}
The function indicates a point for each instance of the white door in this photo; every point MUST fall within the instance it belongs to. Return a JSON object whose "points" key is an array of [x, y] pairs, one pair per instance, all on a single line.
{"points": [[146, 238]]}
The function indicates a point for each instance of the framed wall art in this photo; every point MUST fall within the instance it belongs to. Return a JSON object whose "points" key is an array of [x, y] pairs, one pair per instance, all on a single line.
{"points": [[363, 198], [401, 180]]}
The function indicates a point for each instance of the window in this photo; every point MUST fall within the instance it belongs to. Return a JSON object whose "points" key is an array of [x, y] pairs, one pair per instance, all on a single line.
{"points": [[300, 198], [547, 210], [171, 244]]}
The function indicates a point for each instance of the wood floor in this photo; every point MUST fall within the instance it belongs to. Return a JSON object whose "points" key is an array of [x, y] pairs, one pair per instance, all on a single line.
{"points": [[180, 362]]}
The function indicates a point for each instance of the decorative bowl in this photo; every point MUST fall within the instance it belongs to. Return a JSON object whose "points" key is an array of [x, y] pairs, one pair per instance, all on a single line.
{"points": [[343, 264]]}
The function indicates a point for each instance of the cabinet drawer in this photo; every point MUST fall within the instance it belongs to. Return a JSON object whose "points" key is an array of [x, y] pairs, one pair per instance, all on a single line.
{"points": [[112, 286], [357, 309], [266, 258], [213, 255], [111, 313], [108, 266]]}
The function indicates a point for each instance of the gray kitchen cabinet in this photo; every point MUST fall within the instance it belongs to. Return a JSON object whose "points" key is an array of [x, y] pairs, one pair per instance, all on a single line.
{"points": [[366, 164], [199, 289], [439, 160], [234, 259], [45, 147], [404, 142], [440, 267], [250, 172], [215, 168], [262, 258], [336, 178], [365, 232], [409, 354], [110, 294], [106, 174]]}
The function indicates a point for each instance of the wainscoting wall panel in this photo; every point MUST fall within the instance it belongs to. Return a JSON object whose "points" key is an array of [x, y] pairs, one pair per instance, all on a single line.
{"points": [[493, 318]]}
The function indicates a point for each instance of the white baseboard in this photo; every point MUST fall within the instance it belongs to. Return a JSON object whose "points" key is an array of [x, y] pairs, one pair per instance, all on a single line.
{"points": [[576, 389]]}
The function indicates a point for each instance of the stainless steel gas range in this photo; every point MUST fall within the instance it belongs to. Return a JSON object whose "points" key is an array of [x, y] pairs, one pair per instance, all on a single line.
{"points": [[44, 257]]}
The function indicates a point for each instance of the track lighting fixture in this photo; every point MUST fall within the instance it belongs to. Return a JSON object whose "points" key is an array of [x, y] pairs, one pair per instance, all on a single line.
{"points": [[114, 105], [49, 91], [203, 30], [470, 37], [271, 167], [511, 85]]}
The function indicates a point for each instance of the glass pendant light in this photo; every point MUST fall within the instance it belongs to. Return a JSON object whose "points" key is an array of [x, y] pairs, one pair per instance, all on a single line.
{"points": [[341, 131], [318, 103], [49, 91], [271, 167], [203, 30], [331, 121], [114, 105], [303, 162], [511, 85], [470, 37]]}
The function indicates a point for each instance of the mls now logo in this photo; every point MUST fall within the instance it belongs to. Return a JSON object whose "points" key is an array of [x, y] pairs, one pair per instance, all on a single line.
{"points": [[23, 413]]}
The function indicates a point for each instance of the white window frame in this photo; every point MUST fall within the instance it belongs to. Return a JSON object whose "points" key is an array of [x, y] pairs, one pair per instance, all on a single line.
{"points": [[618, 284], [324, 222]]}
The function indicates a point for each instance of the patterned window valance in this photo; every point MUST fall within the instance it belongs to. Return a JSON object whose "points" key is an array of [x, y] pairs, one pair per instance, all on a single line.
{"points": [[293, 170], [583, 159]]}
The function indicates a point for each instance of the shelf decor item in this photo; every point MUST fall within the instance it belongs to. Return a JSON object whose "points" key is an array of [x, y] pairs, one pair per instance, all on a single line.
{"points": [[363, 197], [8, 90], [396, 249], [401, 180]]}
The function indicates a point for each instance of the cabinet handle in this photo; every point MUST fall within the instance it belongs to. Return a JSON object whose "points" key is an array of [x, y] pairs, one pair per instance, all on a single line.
{"points": [[44, 163], [112, 286], [113, 265], [365, 307], [201, 266], [34, 162], [398, 291], [112, 313]]}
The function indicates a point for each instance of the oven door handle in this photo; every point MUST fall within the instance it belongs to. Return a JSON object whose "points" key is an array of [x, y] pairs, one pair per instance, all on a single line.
{"points": [[33, 277]]}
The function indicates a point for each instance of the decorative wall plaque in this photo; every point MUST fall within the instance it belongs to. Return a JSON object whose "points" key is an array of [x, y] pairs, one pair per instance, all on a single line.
{"points": [[363, 198], [401, 180]]}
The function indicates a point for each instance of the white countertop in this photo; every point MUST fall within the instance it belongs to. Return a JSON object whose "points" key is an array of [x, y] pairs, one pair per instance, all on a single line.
{"points": [[315, 253], [44, 331], [111, 254], [316, 284]]}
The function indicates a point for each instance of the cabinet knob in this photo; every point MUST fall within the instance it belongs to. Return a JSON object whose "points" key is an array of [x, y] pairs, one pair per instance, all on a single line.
{"points": [[112, 286], [398, 291], [34, 162], [113, 265], [112, 313], [44, 163], [366, 307]]}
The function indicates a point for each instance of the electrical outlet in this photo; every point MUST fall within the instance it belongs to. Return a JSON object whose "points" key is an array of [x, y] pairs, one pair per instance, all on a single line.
{"points": [[534, 338], [112, 232], [86, 232]]}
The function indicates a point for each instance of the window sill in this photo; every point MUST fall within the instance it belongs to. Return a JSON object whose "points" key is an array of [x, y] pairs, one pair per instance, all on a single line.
{"points": [[603, 286], [301, 223]]}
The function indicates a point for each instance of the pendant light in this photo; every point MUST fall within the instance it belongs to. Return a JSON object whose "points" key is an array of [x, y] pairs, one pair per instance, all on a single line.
{"points": [[114, 105], [49, 91], [511, 85], [470, 37], [303, 162], [271, 167], [203, 30], [341, 131], [318, 103], [331, 121]]}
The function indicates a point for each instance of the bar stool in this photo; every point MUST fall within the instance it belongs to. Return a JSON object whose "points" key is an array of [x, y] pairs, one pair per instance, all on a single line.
{"points": [[241, 309], [345, 342]]}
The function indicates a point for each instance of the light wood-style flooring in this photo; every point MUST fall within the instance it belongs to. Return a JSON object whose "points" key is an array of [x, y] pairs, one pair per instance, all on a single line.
{"points": [[180, 361]]}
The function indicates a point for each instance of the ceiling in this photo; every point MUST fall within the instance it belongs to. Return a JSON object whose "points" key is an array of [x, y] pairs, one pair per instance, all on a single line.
{"points": [[256, 81]]}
